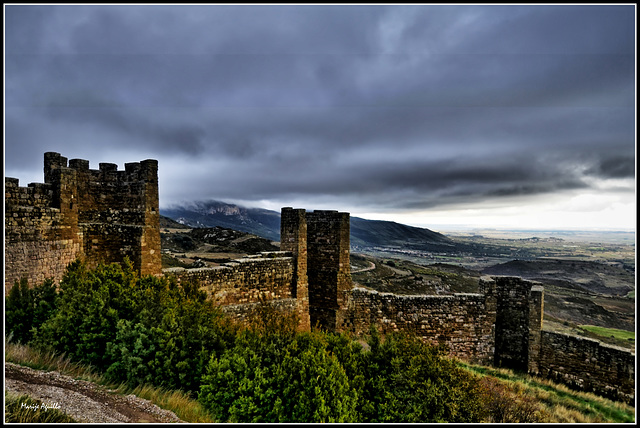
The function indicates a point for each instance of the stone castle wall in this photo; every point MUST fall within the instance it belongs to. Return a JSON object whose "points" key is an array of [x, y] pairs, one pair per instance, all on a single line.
{"points": [[98, 215], [40, 241], [293, 238], [518, 322], [313, 268], [328, 267], [243, 281], [588, 365], [239, 286], [462, 322], [499, 326]]}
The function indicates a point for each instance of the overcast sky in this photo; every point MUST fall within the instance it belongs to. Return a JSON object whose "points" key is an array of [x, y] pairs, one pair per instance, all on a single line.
{"points": [[503, 116]]}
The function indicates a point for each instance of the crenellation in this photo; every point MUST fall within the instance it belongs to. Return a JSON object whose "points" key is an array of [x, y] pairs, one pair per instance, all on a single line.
{"points": [[108, 168], [79, 164], [97, 215]]}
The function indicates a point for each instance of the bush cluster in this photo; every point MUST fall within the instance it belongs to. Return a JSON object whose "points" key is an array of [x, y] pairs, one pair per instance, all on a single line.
{"points": [[136, 330], [154, 331], [326, 377]]}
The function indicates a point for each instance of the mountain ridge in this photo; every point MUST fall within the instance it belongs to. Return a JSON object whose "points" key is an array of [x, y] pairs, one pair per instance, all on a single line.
{"points": [[266, 223]]}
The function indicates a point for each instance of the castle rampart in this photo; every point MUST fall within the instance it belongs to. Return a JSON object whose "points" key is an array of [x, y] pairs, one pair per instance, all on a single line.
{"points": [[241, 285], [243, 281], [40, 241], [462, 322], [588, 365]]}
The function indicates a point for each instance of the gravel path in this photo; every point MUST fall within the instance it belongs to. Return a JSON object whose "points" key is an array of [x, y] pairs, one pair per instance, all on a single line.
{"points": [[83, 401]]}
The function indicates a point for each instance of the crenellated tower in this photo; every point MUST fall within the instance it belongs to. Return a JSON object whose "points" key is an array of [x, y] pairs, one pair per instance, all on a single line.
{"points": [[100, 216]]}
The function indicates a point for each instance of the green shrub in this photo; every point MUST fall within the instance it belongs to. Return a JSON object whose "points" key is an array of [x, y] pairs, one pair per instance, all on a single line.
{"points": [[90, 304], [263, 379], [324, 377], [27, 308], [410, 381], [137, 330]]}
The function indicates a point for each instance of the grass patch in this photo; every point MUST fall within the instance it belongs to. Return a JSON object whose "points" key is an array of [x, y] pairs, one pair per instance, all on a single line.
{"points": [[185, 407], [559, 403], [24, 409], [609, 332], [48, 361], [180, 403]]}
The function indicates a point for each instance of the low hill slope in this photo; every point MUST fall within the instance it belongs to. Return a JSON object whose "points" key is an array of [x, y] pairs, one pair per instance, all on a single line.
{"points": [[582, 275], [388, 233]]}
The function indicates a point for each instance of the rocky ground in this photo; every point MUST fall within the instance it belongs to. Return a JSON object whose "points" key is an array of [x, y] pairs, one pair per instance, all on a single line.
{"points": [[83, 401]]}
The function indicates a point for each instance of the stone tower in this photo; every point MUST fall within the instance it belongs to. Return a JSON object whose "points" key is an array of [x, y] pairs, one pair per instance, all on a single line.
{"points": [[320, 241], [97, 215]]}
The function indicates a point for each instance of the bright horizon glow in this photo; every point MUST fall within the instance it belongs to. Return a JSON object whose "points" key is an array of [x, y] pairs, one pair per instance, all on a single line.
{"points": [[585, 211]]}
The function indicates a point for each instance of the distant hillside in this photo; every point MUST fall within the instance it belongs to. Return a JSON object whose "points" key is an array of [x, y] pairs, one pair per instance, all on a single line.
{"points": [[389, 233], [266, 223], [582, 275], [256, 221]]}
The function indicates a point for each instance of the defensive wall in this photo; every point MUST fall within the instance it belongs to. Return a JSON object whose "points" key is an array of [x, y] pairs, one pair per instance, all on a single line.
{"points": [[588, 365], [310, 275], [463, 322], [104, 215], [240, 285], [96, 215]]}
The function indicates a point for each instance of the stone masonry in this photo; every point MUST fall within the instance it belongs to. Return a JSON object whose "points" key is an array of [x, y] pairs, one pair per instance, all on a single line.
{"points": [[328, 267], [97, 215]]}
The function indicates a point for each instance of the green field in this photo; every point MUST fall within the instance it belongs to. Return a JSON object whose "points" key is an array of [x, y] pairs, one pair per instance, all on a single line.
{"points": [[608, 332]]}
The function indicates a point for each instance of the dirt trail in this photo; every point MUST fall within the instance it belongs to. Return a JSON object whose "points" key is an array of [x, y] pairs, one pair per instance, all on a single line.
{"points": [[371, 266], [83, 401]]}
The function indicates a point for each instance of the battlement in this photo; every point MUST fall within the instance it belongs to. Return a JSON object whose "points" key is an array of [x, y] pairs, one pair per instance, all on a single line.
{"points": [[98, 215]]}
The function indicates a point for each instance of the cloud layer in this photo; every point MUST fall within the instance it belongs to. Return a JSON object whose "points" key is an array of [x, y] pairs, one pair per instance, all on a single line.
{"points": [[379, 107]]}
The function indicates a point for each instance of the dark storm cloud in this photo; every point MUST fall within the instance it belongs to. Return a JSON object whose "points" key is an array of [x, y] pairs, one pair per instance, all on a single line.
{"points": [[380, 106], [615, 167]]}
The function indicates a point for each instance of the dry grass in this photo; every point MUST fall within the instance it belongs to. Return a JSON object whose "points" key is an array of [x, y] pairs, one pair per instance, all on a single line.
{"points": [[186, 408], [24, 409], [555, 403], [43, 360], [178, 402]]}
